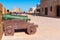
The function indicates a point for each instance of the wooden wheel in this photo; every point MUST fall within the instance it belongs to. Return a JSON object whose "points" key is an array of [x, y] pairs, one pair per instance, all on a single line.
{"points": [[9, 31], [31, 30]]}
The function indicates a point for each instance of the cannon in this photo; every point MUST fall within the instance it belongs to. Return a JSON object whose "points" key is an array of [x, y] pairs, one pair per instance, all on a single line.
{"points": [[15, 17], [10, 27]]}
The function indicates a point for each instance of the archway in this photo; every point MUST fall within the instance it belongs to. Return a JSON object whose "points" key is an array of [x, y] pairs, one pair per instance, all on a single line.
{"points": [[58, 11], [46, 11]]}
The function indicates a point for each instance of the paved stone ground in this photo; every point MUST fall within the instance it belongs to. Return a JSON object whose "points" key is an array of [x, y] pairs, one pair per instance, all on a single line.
{"points": [[49, 29]]}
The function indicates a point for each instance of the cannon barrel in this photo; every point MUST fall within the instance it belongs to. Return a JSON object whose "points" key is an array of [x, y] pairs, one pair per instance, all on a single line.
{"points": [[15, 17]]}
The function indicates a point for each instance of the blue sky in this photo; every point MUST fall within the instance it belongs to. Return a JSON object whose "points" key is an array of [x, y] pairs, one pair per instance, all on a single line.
{"points": [[23, 4]]}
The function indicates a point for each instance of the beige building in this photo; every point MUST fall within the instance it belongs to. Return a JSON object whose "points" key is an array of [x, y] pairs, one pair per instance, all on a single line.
{"points": [[37, 10], [4, 11], [16, 10], [31, 10], [50, 8]]}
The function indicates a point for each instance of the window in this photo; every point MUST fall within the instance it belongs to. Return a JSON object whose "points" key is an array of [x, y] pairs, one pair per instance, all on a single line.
{"points": [[51, 8], [46, 11], [38, 10], [42, 9]]}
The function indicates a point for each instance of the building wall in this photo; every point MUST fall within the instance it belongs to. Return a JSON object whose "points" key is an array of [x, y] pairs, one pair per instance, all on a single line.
{"points": [[1, 11], [48, 4], [1, 27], [4, 11]]}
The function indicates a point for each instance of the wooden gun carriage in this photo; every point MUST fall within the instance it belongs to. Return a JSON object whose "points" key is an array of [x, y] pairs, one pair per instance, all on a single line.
{"points": [[10, 26]]}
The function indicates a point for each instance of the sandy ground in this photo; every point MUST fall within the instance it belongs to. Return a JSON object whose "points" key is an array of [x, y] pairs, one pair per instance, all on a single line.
{"points": [[48, 29]]}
